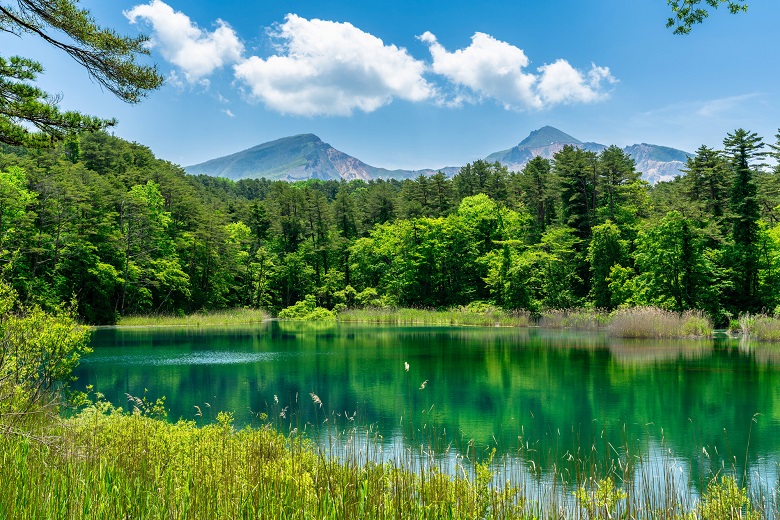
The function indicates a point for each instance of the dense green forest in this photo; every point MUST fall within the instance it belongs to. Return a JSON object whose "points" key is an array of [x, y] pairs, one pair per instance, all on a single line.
{"points": [[104, 222]]}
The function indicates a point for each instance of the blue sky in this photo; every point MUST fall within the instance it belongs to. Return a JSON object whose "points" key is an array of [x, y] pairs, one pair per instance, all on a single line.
{"points": [[430, 84]]}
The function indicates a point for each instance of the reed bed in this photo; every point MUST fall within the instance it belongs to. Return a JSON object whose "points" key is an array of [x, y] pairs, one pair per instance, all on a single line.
{"points": [[200, 319], [760, 326], [576, 319], [486, 317], [652, 322]]}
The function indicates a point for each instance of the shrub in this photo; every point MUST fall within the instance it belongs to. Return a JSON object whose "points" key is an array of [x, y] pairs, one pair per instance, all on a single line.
{"points": [[307, 310]]}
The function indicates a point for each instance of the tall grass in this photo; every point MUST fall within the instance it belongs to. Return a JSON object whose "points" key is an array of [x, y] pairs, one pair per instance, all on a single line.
{"points": [[577, 319], [635, 322], [486, 317], [199, 319], [760, 327], [652, 322], [108, 464]]}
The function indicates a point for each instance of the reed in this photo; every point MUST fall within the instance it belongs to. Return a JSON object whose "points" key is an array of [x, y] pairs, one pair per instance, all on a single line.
{"points": [[108, 464], [485, 316], [576, 319], [652, 322], [199, 319], [760, 327]]}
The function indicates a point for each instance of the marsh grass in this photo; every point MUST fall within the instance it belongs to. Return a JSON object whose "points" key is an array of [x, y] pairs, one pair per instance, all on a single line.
{"points": [[199, 319], [652, 322], [635, 322], [576, 319], [104, 463], [760, 327], [485, 316]]}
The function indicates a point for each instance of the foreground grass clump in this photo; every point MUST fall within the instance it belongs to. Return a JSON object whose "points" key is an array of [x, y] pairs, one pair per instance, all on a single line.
{"points": [[108, 464], [486, 316], [760, 326], [652, 322], [199, 319]]}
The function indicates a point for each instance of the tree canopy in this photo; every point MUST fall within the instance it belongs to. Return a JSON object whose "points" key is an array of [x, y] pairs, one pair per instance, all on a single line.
{"points": [[687, 13], [29, 116]]}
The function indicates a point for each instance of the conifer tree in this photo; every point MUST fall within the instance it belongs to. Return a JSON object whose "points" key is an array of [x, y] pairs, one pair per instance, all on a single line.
{"points": [[108, 57]]}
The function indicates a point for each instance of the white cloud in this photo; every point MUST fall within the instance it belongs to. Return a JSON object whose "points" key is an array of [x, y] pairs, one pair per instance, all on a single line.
{"points": [[195, 51], [561, 83], [229, 113], [330, 68], [491, 68]]}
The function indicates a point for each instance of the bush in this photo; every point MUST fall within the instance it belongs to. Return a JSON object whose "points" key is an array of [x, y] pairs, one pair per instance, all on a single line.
{"points": [[38, 352], [307, 310]]}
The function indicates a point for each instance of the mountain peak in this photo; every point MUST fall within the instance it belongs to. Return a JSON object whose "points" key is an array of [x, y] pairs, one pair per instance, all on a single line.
{"points": [[546, 136]]}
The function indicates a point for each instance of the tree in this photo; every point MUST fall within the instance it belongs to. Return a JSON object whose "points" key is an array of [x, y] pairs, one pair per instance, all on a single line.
{"points": [[687, 13], [606, 250], [538, 197], [742, 147], [108, 57], [674, 273]]}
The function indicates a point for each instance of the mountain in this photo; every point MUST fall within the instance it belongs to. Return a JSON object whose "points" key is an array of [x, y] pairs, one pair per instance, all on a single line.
{"points": [[546, 142], [657, 163], [306, 156], [296, 158]]}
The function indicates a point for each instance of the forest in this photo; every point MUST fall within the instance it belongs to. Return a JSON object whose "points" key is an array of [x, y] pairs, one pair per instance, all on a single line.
{"points": [[100, 221]]}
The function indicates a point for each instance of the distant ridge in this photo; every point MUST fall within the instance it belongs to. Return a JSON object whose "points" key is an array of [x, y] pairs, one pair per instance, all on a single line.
{"points": [[306, 156]]}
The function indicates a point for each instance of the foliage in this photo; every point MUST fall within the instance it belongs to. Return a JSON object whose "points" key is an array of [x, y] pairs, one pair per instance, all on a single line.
{"points": [[126, 234], [38, 352], [141, 467], [687, 13], [725, 500], [109, 59], [602, 501], [307, 310]]}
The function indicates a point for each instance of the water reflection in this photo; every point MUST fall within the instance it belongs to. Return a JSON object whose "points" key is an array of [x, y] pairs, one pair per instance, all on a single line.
{"points": [[539, 396]]}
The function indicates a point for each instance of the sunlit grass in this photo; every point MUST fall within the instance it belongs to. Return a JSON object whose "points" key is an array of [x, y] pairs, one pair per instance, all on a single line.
{"points": [[652, 322], [760, 327], [105, 464], [199, 319], [486, 317], [576, 319]]}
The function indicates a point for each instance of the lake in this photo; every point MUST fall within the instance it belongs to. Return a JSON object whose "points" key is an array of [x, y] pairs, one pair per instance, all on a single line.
{"points": [[540, 397]]}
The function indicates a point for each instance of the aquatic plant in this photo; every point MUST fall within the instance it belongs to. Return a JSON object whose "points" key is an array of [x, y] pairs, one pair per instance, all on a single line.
{"points": [[653, 322]]}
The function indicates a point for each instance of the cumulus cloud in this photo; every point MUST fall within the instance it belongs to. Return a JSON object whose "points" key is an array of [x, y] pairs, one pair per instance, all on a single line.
{"points": [[321, 67], [330, 68], [195, 51], [491, 68]]}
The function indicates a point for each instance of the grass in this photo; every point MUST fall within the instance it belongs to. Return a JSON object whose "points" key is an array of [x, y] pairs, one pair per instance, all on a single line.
{"points": [[106, 464], [199, 319], [486, 317], [760, 327], [652, 322], [577, 319], [635, 322]]}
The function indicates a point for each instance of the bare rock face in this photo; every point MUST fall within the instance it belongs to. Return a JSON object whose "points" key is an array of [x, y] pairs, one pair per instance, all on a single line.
{"points": [[306, 156], [656, 163]]}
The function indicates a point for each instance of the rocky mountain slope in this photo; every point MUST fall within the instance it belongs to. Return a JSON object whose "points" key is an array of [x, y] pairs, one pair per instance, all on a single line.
{"points": [[306, 156]]}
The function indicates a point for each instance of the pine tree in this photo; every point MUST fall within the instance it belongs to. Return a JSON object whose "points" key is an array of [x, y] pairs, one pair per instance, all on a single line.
{"points": [[108, 57], [742, 147]]}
